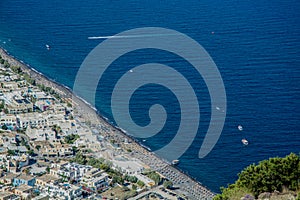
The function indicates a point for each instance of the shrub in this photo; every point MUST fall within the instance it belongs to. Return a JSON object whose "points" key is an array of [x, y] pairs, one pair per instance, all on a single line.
{"points": [[267, 176]]}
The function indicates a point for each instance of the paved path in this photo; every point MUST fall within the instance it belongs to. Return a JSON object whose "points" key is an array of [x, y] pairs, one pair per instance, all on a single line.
{"points": [[154, 190], [26, 138]]}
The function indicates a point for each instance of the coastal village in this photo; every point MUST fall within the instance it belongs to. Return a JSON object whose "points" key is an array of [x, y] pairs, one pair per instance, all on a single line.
{"points": [[54, 146]]}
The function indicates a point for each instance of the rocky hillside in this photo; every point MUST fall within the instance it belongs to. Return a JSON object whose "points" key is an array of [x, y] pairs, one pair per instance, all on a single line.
{"points": [[276, 178]]}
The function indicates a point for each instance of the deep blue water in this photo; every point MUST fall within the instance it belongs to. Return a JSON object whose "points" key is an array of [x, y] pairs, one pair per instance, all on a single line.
{"points": [[255, 45]]}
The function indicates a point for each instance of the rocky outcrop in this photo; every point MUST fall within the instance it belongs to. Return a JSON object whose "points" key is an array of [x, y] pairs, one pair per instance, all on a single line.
{"points": [[277, 196]]}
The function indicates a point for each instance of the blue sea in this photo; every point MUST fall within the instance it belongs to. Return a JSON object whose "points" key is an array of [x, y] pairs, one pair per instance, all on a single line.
{"points": [[255, 44]]}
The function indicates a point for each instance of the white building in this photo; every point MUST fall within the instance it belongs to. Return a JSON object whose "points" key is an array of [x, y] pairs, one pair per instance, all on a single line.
{"points": [[32, 120], [42, 105], [8, 120], [62, 191], [15, 103], [38, 95], [7, 138], [95, 179], [70, 170], [41, 134], [77, 169]]}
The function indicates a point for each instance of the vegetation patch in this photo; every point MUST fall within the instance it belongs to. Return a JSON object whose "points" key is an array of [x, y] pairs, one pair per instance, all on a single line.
{"points": [[275, 174]]}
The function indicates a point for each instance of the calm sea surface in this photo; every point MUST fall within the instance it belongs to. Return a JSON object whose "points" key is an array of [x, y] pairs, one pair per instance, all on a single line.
{"points": [[255, 45]]}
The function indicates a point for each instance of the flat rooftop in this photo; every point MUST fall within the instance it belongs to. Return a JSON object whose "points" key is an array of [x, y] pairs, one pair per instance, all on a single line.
{"points": [[5, 194], [24, 188]]}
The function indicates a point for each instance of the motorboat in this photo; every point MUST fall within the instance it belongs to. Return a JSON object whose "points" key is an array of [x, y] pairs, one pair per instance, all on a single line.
{"points": [[245, 142], [175, 162], [240, 127]]}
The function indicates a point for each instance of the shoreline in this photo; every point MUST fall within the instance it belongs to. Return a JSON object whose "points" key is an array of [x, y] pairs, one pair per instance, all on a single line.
{"points": [[87, 112]]}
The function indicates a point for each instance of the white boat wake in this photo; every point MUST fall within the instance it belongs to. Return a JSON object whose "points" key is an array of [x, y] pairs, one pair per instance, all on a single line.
{"points": [[105, 37], [127, 36]]}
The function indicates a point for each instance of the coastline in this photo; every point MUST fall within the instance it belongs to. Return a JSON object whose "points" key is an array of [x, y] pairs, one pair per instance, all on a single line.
{"points": [[87, 113]]}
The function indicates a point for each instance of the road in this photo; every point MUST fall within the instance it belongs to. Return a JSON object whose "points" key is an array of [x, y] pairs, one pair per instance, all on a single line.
{"points": [[26, 138], [157, 191]]}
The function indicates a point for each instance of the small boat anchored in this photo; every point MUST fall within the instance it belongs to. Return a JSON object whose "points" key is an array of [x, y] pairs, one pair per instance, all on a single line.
{"points": [[245, 142], [240, 127], [47, 46], [175, 162]]}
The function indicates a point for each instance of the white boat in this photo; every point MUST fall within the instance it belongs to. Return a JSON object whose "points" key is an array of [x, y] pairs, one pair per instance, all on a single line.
{"points": [[175, 162], [240, 127], [47, 46], [245, 142]]}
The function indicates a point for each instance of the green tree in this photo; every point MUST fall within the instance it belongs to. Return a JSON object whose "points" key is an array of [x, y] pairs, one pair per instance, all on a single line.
{"points": [[104, 167], [140, 183], [131, 179], [6, 64], [118, 179], [70, 139], [2, 105], [38, 147], [168, 184], [16, 69], [134, 187], [92, 162], [74, 149], [5, 110], [11, 152], [267, 176], [80, 159], [30, 152], [4, 127], [155, 177], [298, 196]]}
